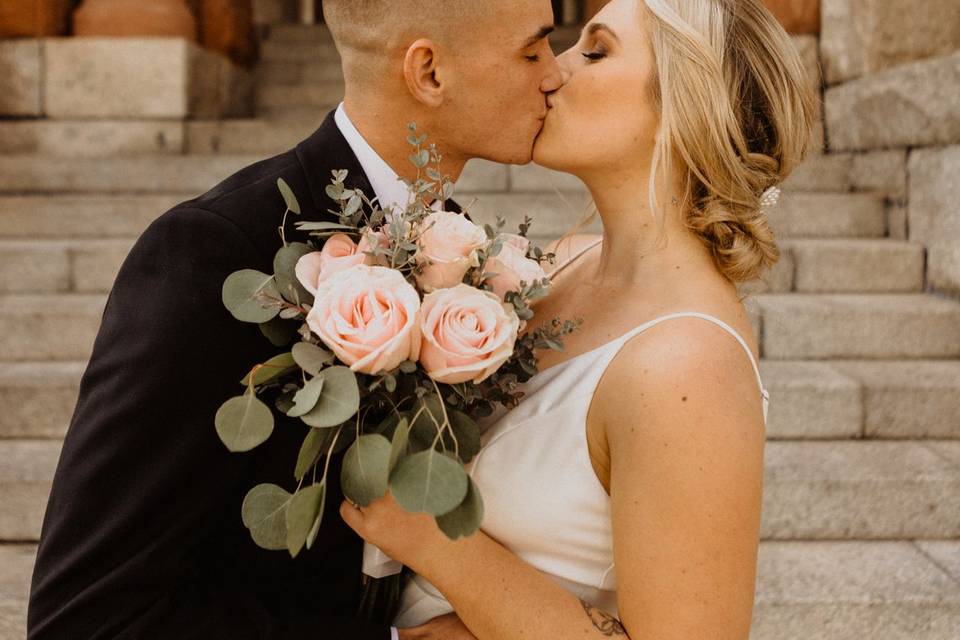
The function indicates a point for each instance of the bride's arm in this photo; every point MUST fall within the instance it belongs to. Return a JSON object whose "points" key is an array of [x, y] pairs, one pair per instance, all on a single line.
{"points": [[686, 485]]}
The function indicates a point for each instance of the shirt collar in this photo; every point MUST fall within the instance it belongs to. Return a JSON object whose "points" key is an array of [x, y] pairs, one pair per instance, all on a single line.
{"points": [[387, 185]]}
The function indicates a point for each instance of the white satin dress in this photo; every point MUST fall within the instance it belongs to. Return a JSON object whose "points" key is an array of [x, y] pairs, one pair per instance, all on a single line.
{"points": [[542, 498]]}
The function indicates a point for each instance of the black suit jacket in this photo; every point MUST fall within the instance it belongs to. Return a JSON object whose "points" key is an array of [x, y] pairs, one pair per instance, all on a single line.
{"points": [[142, 536]]}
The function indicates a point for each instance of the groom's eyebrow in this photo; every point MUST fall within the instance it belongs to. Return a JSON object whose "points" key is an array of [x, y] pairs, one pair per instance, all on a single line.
{"points": [[540, 35]]}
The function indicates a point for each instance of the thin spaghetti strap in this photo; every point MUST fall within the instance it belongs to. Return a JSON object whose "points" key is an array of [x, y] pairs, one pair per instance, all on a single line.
{"points": [[573, 259], [708, 318]]}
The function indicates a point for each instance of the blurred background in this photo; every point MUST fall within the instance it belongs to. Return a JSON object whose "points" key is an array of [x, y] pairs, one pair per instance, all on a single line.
{"points": [[111, 111]]}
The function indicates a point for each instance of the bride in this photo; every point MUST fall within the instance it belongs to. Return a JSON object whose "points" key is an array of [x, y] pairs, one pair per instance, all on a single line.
{"points": [[623, 495]]}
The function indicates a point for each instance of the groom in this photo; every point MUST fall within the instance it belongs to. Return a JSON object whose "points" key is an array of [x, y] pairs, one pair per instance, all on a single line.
{"points": [[142, 536]]}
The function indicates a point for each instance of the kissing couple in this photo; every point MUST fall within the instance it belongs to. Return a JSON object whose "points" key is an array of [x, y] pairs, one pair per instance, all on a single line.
{"points": [[622, 495]]}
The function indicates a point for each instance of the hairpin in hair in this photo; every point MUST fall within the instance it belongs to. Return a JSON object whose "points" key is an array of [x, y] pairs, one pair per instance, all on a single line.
{"points": [[770, 197]]}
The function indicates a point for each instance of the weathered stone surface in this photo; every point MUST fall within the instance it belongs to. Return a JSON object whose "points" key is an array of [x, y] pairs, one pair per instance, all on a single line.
{"points": [[91, 138], [870, 326], [17, 561], [858, 490], [945, 553], [37, 399], [778, 279], [49, 327], [483, 176], [322, 96], [809, 48], [133, 174], [857, 266], [826, 215], [554, 214], [949, 450], [141, 78], [917, 104], [859, 37], [532, 177], [934, 213], [918, 399], [275, 50], [30, 267], [830, 172], [881, 172], [850, 591], [81, 216], [253, 136], [292, 73], [811, 400], [273, 12], [20, 78], [26, 473]]}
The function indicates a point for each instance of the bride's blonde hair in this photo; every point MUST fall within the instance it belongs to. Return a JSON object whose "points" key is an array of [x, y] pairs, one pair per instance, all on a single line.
{"points": [[736, 112]]}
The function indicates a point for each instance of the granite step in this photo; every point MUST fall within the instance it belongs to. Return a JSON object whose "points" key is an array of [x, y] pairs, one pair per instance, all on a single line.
{"points": [[49, 327], [306, 72], [834, 490], [303, 51], [261, 136], [91, 138], [77, 216], [844, 590], [856, 266], [34, 174], [60, 266], [857, 326], [320, 95], [37, 399]]}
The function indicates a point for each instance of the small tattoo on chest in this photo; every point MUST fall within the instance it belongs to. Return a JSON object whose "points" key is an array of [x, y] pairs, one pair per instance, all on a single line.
{"points": [[603, 621]]}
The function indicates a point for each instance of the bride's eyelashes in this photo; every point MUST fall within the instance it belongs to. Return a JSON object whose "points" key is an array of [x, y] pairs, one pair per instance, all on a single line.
{"points": [[593, 56]]}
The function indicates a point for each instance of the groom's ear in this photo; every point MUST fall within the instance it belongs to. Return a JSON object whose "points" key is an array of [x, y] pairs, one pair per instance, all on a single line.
{"points": [[421, 72]]}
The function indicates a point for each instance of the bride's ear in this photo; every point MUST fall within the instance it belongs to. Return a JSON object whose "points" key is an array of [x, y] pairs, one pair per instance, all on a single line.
{"points": [[420, 70]]}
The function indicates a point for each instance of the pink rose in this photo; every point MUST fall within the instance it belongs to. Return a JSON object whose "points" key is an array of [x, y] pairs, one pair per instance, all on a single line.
{"points": [[468, 334], [339, 252], [448, 248], [512, 266], [369, 317]]}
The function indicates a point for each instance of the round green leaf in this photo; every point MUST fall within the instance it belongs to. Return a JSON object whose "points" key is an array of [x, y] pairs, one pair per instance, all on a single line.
{"points": [[465, 520], [429, 481], [306, 399], [288, 197], [264, 514], [467, 432], [271, 370], [366, 469], [311, 358], [339, 401], [310, 452], [401, 438], [244, 422], [304, 510], [278, 332], [284, 268], [240, 296]]}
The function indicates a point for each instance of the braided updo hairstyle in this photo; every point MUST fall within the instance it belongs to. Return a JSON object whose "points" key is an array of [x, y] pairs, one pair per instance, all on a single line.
{"points": [[736, 112]]}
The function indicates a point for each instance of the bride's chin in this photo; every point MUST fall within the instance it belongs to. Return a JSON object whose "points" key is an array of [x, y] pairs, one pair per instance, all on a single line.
{"points": [[544, 151]]}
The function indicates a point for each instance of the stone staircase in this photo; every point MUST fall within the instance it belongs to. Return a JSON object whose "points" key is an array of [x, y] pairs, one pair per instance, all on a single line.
{"points": [[861, 523]]}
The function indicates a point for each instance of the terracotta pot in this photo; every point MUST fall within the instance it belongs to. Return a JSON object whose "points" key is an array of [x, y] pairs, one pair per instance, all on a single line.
{"points": [[135, 18], [33, 18], [227, 27]]}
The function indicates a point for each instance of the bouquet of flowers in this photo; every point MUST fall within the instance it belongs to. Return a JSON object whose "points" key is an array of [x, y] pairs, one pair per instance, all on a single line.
{"points": [[405, 328]]}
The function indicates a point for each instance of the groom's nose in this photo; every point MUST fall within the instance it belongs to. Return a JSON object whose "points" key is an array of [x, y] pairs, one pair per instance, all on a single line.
{"points": [[554, 79]]}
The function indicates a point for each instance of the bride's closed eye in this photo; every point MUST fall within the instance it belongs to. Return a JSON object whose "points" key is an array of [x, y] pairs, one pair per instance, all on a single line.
{"points": [[593, 56]]}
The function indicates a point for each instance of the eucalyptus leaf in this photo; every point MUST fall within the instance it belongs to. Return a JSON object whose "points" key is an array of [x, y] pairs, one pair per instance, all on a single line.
{"points": [[306, 399], [312, 535], [278, 332], [468, 435], [310, 452], [339, 401], [311, 358], [323, 226], [429, 481], [284, 268], [302, 514], [366, 469], [240, 292], [423, 430], [401, 437], [244, 422], [272, 369], [264, 514], [466, 519], [288, 196]]}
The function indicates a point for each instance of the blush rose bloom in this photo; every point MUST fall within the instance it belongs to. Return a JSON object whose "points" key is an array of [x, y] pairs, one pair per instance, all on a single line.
{"points": [[338, 253], [448, 249], [369, 317], [512, 266], [468, 334]]}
